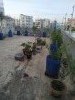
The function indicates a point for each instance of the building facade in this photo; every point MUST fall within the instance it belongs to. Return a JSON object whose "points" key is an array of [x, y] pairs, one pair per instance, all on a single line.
{"points": [[38, 23], [7, 25], [26, 21], [71, 22], [42, 23], [17, 22], [46, 23]]}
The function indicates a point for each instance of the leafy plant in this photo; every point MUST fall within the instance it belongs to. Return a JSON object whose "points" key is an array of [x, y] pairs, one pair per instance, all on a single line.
{"points": [[72, 67], [39, 40], [58, 85], [57, 37], [27, 48], [34, 47], [57, 55], [43, 42]]}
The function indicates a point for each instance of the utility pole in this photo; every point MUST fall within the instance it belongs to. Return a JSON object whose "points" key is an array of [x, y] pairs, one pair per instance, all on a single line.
{"points": [[71, 18]]}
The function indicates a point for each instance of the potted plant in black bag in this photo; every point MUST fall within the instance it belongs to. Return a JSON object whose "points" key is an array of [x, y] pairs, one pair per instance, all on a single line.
{"points": [[27, 50], [34, 48], [58, 88]]}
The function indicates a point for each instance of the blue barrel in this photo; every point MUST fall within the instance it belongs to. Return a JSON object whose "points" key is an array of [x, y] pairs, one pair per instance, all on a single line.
{"points": [[10, 34], [53, 47], [1, 36], [44, 34], [52, 67], [18, 33], [26, 33]]}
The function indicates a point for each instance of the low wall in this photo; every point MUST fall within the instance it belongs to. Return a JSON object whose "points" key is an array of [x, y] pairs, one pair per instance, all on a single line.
{"points": [[69, 42]]}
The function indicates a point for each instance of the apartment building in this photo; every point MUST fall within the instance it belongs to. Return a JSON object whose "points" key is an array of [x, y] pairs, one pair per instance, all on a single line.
{"points": [[17, 22], [38, 23], [26, 21], [71, 22], [42, 23], [7, 25], [46, 23]]}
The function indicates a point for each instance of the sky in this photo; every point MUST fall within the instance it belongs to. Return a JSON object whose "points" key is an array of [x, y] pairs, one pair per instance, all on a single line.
{"points": [[52, 9]]}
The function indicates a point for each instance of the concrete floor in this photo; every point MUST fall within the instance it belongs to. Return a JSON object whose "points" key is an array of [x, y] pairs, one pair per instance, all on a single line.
{"points": [[8, 48], [12, 84]]}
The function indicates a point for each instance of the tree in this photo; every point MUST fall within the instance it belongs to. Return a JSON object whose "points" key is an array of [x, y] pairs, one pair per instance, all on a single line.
{"points": [[34, 28]]}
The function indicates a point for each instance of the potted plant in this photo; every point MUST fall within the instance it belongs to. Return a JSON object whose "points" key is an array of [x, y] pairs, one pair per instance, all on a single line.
{"points": [[57, 55], [27, 50], [39, 40], [53, 61], [58, 88], [43, 42], [34, 48], [56, 38]]}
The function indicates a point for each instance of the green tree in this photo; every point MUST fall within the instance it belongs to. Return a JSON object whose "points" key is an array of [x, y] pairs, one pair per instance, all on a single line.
{"points": [[34, 28]]}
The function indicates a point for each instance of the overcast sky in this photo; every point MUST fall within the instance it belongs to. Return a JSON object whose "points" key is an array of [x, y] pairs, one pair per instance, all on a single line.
{"points": [[52, 9]]}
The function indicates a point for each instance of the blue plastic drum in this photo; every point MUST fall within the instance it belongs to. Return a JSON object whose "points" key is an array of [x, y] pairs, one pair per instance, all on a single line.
{"points": [[52, 67], [10, 34]]}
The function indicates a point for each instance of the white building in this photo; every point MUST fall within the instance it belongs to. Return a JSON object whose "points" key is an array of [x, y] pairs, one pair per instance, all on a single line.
{"points": [[17, 22], [38, 23], [7, 25], [46, 23], [71, 22], [26, 21], [42, 23]]}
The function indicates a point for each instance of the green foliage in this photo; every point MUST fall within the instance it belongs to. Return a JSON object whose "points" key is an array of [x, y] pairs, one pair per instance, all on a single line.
{"points": [[34, 29], [27, 46], [73, 29], [57, 37], [72, 67], [41, 42], [57, 55]]}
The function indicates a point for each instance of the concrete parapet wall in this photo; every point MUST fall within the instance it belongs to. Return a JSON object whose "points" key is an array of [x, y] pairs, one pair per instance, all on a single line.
{"points": [[69, 43]]}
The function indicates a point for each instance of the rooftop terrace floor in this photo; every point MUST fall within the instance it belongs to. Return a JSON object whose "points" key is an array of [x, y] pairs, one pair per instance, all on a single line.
{"points": [[12, 85]]}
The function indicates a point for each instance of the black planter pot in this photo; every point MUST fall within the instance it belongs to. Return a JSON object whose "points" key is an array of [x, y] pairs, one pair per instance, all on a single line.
{"points": [[58, 88], [29, 56], [1, 36], [24, 52]]}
